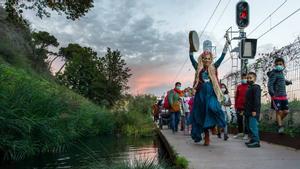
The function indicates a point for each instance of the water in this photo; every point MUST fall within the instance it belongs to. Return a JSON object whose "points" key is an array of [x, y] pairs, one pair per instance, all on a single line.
{"points": [[97, 151]]}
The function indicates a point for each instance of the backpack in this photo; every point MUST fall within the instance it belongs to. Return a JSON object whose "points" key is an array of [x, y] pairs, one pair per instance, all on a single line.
{"points": [[166, 101]]}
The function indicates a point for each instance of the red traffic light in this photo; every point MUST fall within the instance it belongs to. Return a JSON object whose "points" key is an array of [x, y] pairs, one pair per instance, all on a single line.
{"points": [[242, 14]]}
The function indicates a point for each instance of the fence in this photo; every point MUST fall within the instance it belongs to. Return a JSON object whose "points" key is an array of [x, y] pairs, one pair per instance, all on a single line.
{"points": [[265, 63]]}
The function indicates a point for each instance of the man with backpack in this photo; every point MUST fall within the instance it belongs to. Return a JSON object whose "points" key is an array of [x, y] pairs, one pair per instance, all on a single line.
{"points": [[173, 101]]}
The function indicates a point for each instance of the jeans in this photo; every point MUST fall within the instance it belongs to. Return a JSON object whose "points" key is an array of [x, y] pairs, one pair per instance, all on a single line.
{"points": [[226, 127], [253, 126], [242, 123], [175, 120], [187, 118]]}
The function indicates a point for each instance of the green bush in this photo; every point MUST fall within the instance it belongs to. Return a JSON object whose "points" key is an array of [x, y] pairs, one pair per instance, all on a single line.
{"points": [[38, 116], [292, 127], [181, 162]]}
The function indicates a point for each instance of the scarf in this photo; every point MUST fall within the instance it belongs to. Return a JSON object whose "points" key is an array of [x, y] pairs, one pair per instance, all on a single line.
{"points": [[179, 92], [212, 73]]}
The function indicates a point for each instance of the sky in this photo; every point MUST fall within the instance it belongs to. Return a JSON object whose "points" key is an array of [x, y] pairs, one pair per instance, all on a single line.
{"points": [[152, 35]]}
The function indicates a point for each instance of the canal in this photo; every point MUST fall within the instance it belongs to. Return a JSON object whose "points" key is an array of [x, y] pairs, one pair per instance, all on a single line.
{"points": [[99, 152]]}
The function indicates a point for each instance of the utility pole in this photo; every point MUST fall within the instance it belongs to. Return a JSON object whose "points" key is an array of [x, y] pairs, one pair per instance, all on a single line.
{"points": [[242, 21]]}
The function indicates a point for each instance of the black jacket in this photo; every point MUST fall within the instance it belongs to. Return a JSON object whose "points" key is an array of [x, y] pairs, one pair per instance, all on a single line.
{"points": [[253, 100]]}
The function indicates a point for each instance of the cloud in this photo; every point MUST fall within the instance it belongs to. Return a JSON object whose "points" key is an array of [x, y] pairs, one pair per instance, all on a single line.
{"points": [[153, 56]]}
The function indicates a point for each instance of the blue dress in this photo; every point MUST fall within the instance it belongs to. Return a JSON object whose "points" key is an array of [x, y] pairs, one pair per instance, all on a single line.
{"points": [[207, 111]]}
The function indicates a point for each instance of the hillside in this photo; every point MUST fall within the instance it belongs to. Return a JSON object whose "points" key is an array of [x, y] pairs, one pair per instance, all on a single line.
{"points": [[38, 115]]}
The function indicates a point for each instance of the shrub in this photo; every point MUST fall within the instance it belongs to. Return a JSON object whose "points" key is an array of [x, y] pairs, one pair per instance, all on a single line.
{"points": [[38, 116]]}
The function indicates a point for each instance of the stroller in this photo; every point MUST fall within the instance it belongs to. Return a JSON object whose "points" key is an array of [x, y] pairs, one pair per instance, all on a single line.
{"points": [[164, 117]]}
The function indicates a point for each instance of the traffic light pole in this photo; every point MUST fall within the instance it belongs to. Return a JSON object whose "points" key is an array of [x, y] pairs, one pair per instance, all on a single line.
{"points": [[244, 62]]}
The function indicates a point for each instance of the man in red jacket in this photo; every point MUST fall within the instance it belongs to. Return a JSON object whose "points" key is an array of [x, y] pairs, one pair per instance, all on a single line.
{"points": [[240, 98]]}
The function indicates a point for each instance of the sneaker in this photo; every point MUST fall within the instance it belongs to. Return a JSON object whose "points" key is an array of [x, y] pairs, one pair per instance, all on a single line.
{"points": [[219, 135], [253, 145], [245, 137], [240, 135], [249, 142], [281, 130], [226, 137]]}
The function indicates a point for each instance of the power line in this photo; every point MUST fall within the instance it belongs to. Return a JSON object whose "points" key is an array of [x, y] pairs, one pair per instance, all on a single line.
{"points": [[210, 19], [218, 20], [267, 17], [279, 23], [178, 73], [230, 49]]}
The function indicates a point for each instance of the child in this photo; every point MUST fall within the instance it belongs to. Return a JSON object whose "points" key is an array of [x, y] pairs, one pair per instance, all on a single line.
{"points": [[277, 90], [240, 95], [252, 109], [226, 108], [186, 110]]}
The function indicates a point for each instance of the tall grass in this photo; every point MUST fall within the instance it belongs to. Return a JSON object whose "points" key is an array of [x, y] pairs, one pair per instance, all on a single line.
{"points": [[37, 116], [135, 164], [133, 117]]}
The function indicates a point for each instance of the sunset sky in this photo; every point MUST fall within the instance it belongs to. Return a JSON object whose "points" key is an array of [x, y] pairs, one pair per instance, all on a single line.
{"points": [[153, 34]]}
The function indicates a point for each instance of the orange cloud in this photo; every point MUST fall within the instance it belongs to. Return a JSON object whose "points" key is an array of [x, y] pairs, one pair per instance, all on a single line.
{"points": [[141, 83]]}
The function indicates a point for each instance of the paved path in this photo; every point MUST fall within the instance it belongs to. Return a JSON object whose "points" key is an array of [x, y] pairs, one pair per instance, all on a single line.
{"points": [[232, 154]]}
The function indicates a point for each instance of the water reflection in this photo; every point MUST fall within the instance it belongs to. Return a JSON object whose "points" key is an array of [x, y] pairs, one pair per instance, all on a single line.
{"points": [[93, 152]]}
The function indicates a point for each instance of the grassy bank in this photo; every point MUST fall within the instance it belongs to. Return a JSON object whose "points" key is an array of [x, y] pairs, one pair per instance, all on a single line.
{"points": [[38, 116]]}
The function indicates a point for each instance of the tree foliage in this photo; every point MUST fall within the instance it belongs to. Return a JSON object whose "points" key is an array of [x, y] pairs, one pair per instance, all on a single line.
{"points": [[116, 73], [41, 42], [102, 79], [73, 9]]}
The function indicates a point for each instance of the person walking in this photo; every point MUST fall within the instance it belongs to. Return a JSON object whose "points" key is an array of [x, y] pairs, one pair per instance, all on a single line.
{"points": [[207, 111], [174, 102], [226, 104], [186, 111]]}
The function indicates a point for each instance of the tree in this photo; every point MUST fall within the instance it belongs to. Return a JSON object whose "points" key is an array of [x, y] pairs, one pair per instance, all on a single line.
{"points": [[73, 9], [101, 79], [116, 73], [42, 41], [80, 71]]}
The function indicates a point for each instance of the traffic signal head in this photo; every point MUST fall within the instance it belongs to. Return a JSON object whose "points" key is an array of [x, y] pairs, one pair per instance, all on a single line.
{"points": [[242, 14]]}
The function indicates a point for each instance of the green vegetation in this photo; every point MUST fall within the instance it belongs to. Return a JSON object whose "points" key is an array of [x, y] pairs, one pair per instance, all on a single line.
{"points": [[137, 120], [39, 115], [72, 9], [181, 162], [292, 127], [101, 79], [136, 164]]}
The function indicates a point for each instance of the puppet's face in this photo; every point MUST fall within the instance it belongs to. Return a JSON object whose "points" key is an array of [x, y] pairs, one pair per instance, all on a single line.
{"points": [[207, 60]]}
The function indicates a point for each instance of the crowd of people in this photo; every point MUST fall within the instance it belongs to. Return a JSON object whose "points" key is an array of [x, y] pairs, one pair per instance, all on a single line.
{"points": [[206, 108]]}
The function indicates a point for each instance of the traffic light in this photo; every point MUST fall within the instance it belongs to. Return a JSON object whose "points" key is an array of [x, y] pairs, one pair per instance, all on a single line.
{"points": [[242, 14]]}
